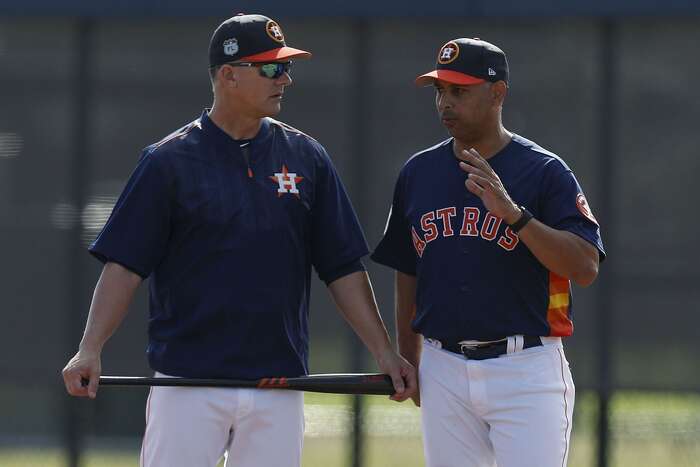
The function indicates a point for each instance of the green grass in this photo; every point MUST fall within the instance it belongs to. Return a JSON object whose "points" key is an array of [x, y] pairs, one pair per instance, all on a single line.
{"points": [[649, 430]]}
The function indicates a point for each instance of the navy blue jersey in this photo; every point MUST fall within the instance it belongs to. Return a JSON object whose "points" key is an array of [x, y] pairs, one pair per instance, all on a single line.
{"points": [[475, 279], [228, 232]]}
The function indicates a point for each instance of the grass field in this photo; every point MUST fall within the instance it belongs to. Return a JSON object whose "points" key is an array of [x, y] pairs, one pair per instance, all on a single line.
{"points": [[649, 430]]}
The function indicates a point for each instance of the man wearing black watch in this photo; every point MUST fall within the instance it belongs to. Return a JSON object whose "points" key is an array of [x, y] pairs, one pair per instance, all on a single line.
{"points": [[524, 218], [486, 232]]}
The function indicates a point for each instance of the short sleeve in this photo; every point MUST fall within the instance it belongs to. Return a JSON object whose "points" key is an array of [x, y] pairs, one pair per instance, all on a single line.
{"points": [[136, 234], [337, 238], [395, 249], [563, 206]]}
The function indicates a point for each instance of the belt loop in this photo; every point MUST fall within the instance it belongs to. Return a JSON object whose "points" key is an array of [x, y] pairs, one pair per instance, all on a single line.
{"points": [[519, 343], [434, 342], [510, 346]]}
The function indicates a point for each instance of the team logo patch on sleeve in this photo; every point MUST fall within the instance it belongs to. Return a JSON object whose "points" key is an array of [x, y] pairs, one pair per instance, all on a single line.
{"points": [[287, 182], [582, 205]]}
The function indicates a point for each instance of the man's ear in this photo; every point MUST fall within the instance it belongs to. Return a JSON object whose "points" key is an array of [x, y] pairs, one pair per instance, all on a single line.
{"points": [[228, 76], [499, 90]]}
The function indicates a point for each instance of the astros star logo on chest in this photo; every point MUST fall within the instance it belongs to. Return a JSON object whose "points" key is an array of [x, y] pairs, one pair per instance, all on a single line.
{"points": [[287, 182]]}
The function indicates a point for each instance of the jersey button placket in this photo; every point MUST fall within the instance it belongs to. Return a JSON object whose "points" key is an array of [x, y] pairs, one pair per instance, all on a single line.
{"points": [[464, 249], [464, 245]]}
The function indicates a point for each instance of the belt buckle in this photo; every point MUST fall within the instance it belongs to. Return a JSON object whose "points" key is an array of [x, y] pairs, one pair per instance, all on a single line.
{"points": [[467, 346]]}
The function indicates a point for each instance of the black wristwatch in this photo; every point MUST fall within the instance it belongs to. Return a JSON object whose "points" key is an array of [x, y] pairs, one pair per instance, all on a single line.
{"points": [[524, 219]]}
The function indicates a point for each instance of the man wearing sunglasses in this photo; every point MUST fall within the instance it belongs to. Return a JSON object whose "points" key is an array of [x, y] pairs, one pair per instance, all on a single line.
{"points": [[227, 216]]}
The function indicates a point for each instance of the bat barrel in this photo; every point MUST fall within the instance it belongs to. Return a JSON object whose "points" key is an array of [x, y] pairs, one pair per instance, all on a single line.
{"points": [[371, 384], [364, 383]]}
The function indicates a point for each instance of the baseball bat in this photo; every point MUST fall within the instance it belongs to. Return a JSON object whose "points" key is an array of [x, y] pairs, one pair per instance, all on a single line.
{"points": [[342, 383]]}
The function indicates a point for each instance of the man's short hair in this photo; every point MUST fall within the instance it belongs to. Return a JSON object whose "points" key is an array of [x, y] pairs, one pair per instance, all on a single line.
{"points": [[213, 72]]}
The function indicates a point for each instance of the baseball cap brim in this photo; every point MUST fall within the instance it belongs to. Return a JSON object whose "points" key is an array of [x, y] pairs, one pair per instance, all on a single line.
{"points": [[277, 54], [449, 76]]}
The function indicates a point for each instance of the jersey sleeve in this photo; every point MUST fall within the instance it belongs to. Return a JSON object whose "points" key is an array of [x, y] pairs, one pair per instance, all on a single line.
{"points": [[563, 206], [137, 231], [337, 239], [395, 249]]}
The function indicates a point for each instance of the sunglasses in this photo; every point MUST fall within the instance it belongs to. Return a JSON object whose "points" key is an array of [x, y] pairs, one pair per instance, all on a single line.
{"points": [[272, 70]]}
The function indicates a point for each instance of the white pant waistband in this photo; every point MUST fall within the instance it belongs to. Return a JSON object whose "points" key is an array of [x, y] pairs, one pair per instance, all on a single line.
{"points": [[513, 344]]}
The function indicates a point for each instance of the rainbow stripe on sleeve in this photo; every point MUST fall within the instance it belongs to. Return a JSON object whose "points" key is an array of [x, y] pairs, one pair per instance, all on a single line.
{"points": [[558, 309]]}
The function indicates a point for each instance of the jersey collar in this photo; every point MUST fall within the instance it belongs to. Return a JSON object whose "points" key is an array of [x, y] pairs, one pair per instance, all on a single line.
{"points": [[211, 130]]}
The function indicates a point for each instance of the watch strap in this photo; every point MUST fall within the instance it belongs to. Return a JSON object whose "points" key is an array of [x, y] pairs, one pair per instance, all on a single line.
{"points": [[525, 217]]}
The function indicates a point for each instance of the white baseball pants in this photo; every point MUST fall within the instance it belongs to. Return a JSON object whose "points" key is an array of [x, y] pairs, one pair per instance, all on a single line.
{"points": [[195, 427], [510, 411]]}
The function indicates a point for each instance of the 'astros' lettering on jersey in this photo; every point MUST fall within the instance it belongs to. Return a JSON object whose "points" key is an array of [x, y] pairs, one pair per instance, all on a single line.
{"points": [[445, 222], [475, 279]]}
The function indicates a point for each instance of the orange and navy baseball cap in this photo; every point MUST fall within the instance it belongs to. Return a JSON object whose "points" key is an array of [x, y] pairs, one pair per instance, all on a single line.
{"points": [[250, 38], [467, 61]]}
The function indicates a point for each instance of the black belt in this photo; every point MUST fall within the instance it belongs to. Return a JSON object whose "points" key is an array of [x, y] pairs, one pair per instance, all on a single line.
{"points": [[487, 350]]}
